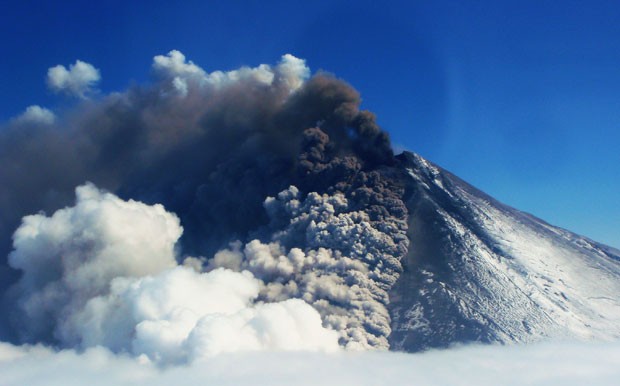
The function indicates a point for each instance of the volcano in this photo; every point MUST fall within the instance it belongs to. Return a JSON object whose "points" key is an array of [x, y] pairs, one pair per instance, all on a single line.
{"points": [[480, 271], [263, 209]]}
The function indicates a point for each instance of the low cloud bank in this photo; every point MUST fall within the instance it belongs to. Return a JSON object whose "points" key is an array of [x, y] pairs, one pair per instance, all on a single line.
{"points": [[541, 364]]}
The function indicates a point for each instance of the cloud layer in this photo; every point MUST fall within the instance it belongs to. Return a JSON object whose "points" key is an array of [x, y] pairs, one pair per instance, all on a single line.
{"points": [[548, 364]]}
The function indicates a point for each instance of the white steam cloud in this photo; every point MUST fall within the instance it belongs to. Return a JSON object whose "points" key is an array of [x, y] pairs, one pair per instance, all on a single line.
{"points": [[103, 273], [78, 80], [541, 364], [71, 257]]}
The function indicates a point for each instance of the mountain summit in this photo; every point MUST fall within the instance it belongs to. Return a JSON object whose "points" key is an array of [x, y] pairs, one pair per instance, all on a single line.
{"points": [[479, 270]]}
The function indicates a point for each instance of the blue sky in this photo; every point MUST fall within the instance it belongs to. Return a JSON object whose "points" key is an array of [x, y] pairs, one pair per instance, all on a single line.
{"points": [[520, 98]]}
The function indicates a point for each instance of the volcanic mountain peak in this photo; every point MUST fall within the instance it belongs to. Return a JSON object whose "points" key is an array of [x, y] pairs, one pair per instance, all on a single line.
{"points": [[479, 270]]}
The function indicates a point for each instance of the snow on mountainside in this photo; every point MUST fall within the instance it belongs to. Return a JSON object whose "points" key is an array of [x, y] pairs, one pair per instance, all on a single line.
{"points": [[478, 270]]}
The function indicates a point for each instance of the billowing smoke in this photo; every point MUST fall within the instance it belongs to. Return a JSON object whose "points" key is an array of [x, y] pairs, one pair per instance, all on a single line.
{"points": [[251, 209]]}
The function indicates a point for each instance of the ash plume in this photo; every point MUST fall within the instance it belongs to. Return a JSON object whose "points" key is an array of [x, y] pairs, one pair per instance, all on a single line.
{"points": [[228, 139], [283, 165]]}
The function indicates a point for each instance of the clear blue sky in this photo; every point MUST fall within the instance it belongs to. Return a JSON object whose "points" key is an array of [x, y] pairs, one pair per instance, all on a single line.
{"points": [[520, 98]]}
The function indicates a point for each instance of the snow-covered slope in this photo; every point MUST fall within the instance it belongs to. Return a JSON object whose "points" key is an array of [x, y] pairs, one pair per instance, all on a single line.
{"points": [[478, 270]]}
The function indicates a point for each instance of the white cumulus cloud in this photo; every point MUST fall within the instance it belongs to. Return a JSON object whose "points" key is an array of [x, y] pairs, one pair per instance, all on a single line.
{"points": [[78, 80]]}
